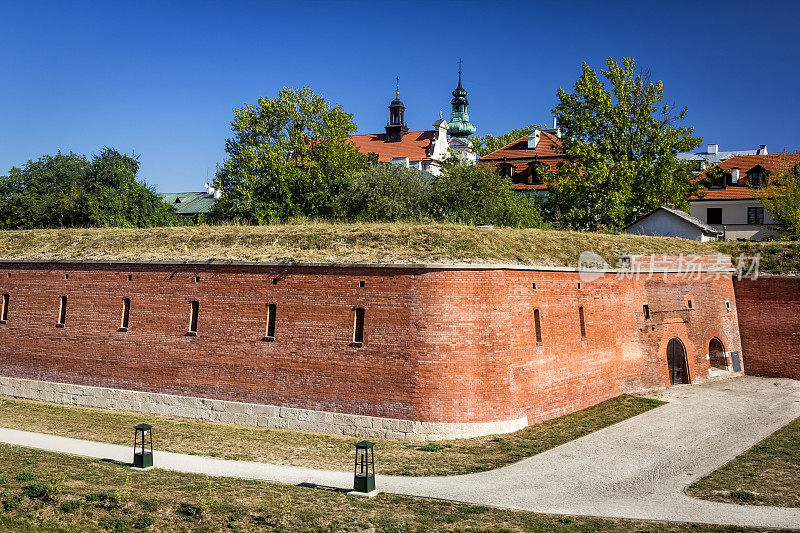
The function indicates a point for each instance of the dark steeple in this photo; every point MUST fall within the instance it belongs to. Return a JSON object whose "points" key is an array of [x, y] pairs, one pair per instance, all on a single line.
{"points": [[396, 127]]}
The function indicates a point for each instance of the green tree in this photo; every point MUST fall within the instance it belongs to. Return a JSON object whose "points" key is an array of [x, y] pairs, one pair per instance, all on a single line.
{"points": [[782, 200], [475, 194], [288, 156], [624, 138], [484, 144], [67, 190], [386, 192]]}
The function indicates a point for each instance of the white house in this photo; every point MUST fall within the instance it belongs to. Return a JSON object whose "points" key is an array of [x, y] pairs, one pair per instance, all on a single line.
{"points": [[670, 222]]}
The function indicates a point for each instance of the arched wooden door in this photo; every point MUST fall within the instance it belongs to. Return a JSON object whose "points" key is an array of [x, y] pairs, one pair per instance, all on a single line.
{"points": [[676, 361]]}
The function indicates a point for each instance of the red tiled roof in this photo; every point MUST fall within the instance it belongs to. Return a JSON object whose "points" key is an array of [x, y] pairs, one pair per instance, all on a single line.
{"points": [[773, 163], [414, 145], [517, 155], [548, 147]]}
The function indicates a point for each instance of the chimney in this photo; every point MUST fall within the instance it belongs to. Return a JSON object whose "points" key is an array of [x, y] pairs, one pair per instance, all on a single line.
{"points": [[533, 139], [762, 150], [734, 176], [209, 188], [712, 149], [555, 123]]}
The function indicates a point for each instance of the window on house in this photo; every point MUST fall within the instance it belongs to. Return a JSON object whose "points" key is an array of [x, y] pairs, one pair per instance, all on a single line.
{"points": [[714, 215], [194, 309], [728, 305], [755, 215], [689, 304], [62, 310], [358, 327], [538, 325], [271, 310], [583, 323], [506, 170], [126, 314], [646, 311], [758, 179], [4, 308]]}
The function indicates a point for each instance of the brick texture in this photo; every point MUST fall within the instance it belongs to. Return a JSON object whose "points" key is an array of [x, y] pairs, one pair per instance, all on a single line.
{"points": [[440, 345], [769, 322]]}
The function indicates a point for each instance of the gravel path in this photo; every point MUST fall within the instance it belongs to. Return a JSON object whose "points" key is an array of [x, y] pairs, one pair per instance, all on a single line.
{"points": [[637, 468]]}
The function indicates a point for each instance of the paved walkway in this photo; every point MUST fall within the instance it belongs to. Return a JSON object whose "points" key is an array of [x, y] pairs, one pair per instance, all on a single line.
{"points": [[635, 469]]}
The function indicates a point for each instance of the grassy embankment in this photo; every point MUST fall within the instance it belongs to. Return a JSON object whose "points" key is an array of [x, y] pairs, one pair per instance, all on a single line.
{"points": [[766, 474], [49, 492], [338, 243], [367, 243], [315, 450]]}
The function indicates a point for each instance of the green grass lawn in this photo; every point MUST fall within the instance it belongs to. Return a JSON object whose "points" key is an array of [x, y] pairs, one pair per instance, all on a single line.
{"points": [[316, 450], [45, 491], [766, 474]]}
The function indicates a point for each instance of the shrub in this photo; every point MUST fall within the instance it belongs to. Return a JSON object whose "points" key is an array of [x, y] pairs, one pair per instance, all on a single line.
{"points": [[116, 525], [12, 502], [70, 505], [743, 495], [143, 522], [433, 447], [37, 491], [25, 475], [386, 192]]}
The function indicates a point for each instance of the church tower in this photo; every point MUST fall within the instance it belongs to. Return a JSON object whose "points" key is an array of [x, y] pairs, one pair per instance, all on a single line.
{"points": [[459, 119], [396, 127]]}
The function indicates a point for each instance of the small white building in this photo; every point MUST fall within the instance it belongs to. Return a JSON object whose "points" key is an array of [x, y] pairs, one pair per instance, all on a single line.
{"points": [[670, 222]]}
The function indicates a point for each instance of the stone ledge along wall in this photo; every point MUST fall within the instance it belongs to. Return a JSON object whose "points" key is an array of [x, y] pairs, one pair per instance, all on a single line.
{"points": [[769, 322], [452, 350]]}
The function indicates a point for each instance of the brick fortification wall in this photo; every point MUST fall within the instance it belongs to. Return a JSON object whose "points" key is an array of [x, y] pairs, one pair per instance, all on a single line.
{"points": [[769, 322], [453, 350]]}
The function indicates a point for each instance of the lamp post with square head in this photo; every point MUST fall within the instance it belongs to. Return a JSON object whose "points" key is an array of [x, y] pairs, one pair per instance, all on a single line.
{"points": [[365, 467], [143, 446]]}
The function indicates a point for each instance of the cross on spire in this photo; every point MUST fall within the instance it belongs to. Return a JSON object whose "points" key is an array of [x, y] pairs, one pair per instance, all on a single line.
{"points": [[397, 87], [459, 65]]}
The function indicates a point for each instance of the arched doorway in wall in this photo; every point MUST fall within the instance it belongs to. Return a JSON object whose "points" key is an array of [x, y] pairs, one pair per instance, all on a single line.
{"points": [[676, 362], [716, 354]]}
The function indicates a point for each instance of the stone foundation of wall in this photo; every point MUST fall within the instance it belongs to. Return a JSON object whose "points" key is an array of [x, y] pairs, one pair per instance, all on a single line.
{"points": [[249, 414]]}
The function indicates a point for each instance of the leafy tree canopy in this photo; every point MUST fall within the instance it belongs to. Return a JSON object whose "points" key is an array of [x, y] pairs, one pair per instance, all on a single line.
{"points": [[288, 156], [68, 190], [624, 139], [782, 200], [463, 194]]}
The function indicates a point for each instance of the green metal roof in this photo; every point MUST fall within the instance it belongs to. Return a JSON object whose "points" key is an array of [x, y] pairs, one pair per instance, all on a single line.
{"points": [[188, 204]]}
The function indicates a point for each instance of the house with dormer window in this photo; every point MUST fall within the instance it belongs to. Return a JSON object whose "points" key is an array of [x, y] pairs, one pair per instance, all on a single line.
{"points": [[729, 205], [528, 160]]}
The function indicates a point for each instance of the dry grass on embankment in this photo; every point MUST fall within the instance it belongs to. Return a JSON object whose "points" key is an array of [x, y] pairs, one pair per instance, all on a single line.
{"points": [[336, 243]]}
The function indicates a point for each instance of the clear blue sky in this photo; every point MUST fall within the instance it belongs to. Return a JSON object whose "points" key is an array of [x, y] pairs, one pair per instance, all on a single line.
{"points": [[162, 78]]}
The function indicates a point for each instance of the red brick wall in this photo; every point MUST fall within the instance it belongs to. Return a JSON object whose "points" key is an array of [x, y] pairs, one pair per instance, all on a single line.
{"points": [[439, 345], [769, 322]]}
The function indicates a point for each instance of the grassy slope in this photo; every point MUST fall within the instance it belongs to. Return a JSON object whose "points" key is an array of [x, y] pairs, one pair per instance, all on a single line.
{"points": [[766, 474], [156, 500], [316, 450], [340, 243]]}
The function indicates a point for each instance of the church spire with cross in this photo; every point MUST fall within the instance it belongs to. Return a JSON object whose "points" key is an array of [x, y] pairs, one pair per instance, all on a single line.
{"points": [[396, 127], [460, 125]]}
